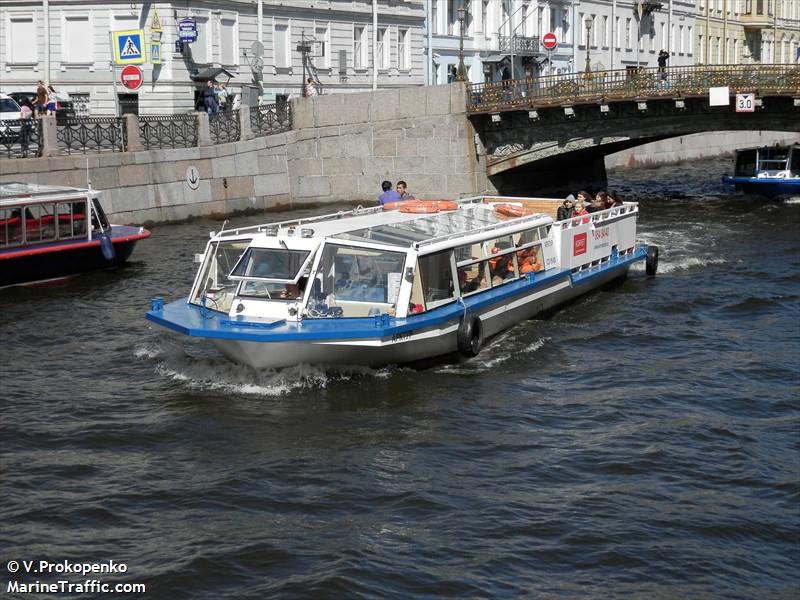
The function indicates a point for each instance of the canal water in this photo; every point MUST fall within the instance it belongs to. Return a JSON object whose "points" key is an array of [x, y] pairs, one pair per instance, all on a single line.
{"points": [[641, 442]]}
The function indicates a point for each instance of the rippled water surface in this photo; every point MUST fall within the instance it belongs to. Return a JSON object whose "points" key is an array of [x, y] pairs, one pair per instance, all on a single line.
{"points": [[643, 442]]}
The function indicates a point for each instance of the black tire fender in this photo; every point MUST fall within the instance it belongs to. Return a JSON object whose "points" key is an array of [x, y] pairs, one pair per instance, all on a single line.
{"points": [[651, 263], [470, 335]]}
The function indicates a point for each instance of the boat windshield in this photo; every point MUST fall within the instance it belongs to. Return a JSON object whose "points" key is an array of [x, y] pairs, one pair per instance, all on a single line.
{"points": [[214, 289], [270, 272]]}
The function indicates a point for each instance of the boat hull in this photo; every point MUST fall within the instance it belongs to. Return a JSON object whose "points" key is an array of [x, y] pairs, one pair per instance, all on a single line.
{"points": [[51, 261], [498, 312], [765, 186]]}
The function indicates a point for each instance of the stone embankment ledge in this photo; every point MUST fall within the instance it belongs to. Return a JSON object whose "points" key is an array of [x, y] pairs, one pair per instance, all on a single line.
{"points": [[340, 149]]}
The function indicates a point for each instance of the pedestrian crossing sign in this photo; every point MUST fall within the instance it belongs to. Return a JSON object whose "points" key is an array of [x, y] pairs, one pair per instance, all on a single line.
{"points": [[129, 47], [155, 53]]}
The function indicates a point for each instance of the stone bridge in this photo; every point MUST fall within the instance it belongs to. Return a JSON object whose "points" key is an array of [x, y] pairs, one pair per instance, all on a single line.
{"points": [[541, 129]]}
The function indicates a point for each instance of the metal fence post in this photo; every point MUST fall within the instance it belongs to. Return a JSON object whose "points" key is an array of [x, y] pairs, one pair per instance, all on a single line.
{"points": [[245, 132], [203, 130], [49, 136], [131, 124]]}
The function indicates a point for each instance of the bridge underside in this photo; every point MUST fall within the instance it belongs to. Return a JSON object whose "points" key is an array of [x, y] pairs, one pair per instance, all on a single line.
{"points": [[554, 150]]}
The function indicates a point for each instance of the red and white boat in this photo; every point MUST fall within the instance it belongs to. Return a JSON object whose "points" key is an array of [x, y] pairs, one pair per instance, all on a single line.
{"points": [[50, 232]]}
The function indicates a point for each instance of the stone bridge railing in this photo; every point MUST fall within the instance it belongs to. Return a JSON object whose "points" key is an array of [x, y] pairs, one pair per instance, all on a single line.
{"points": [[621, 85], [48, 136]]}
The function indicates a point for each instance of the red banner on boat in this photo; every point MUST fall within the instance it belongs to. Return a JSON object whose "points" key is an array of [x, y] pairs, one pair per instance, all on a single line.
{"points": [[579, 244]]}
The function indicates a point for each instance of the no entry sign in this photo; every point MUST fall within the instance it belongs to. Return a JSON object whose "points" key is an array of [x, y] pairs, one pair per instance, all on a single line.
{"points": [[131, 77], [549, 41]]}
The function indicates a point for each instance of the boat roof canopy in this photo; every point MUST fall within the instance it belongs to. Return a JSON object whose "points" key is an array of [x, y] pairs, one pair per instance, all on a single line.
{"points": [[395, 228], [14, 192]]}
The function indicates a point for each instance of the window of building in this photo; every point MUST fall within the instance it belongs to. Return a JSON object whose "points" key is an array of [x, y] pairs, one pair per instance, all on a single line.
{"points": [[555, 21], [280, 41], [323, 46], [605, 31], [403, 50], [359, 48], [681, 40], [452, 17], [383, 48], [201, 49], [524, 19], [618, 32], [487, 26], [689, 40], [78, 46], [20, 32], [228, 43], [434, 16], [628, 34]]}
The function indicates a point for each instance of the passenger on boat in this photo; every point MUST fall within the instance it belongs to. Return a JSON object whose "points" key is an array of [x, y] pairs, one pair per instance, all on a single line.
{"points": [[566, 208], [470, 285], [612, 199], [584, 197], [402, 189], [294, 291], [388, 195], [528, 261], [599, 202], [503, 270], [580, 210]]}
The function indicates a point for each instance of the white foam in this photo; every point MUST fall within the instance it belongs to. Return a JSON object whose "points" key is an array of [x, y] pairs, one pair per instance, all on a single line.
{"points": [[688, 263]]}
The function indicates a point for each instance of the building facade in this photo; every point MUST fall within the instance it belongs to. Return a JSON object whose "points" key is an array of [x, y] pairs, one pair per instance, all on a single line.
{"points": [[731, 32], [504, 37], [261, 48]]}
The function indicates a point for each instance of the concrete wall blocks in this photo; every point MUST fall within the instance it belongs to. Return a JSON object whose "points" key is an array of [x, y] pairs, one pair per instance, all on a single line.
{"points": [[135, 175], [384, 106], [413, 103], [268, 165], [438, 100], [339, 166], [311, 187], [384, 147], [311, 167], [434, 147], [270, 185]]}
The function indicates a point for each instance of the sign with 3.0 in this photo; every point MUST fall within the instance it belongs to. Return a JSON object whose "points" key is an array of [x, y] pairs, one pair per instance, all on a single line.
{"points": [[745, 102]]}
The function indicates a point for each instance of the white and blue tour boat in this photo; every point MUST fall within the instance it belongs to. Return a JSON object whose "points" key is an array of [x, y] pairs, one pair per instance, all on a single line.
{"points": [[769, 171], [376, 287], [50, 232]]}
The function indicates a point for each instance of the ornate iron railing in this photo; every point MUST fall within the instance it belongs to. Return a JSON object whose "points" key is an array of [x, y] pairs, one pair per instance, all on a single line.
{"points": [[610, 86], [270, 118], [21, 138], [514, 44], [168, 131], [225, 127], [91, 134]]}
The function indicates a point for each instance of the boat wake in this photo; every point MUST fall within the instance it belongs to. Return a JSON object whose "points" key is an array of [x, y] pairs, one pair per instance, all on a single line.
{"points": [[507, 347], [212, 374]]}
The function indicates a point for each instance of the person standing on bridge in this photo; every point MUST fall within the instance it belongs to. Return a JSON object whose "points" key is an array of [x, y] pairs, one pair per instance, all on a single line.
{"points": [[663, 57]]}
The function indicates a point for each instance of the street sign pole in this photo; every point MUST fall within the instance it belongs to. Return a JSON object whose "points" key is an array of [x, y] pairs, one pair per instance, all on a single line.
{"points": [[113, 72]]}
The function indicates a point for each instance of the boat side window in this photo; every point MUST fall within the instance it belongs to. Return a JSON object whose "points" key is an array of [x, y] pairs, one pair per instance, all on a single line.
{"points": [[40, 223], [529, 251], [502, 260], [99, 220], [71, 218], [10, 226], [215, 290], [437, 278], [353, 281], [794, 167]]}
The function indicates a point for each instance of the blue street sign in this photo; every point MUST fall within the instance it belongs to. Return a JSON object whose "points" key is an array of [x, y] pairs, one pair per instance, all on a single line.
{"points": [[129, 47], [187, 30]]}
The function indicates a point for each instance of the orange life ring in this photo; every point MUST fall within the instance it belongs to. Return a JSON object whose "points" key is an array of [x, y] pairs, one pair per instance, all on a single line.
{"points": [[420, 206], [512, 210], [395, 205], [445, 204]]}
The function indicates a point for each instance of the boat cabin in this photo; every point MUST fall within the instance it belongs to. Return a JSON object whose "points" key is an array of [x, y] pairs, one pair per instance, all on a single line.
{"points": [[38, 214], [768, 161], [371, 262]]}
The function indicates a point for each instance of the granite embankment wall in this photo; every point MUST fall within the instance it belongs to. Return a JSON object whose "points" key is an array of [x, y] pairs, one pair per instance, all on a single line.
{"points": [[700, 145], [340, 149]]}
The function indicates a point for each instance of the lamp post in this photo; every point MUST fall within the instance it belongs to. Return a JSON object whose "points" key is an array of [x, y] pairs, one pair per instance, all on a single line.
{"points": [[461, 72], [588, 69]]}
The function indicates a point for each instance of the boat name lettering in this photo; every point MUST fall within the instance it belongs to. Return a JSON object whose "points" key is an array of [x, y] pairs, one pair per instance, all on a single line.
{"points": [[602, 233], [548, 243], [402, 336], [579, 244]]}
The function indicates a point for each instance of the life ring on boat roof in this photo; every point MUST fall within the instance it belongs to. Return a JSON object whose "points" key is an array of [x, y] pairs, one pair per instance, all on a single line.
{"points": [[420, 206], [651, 262], [512, 210], [470, 335]]}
